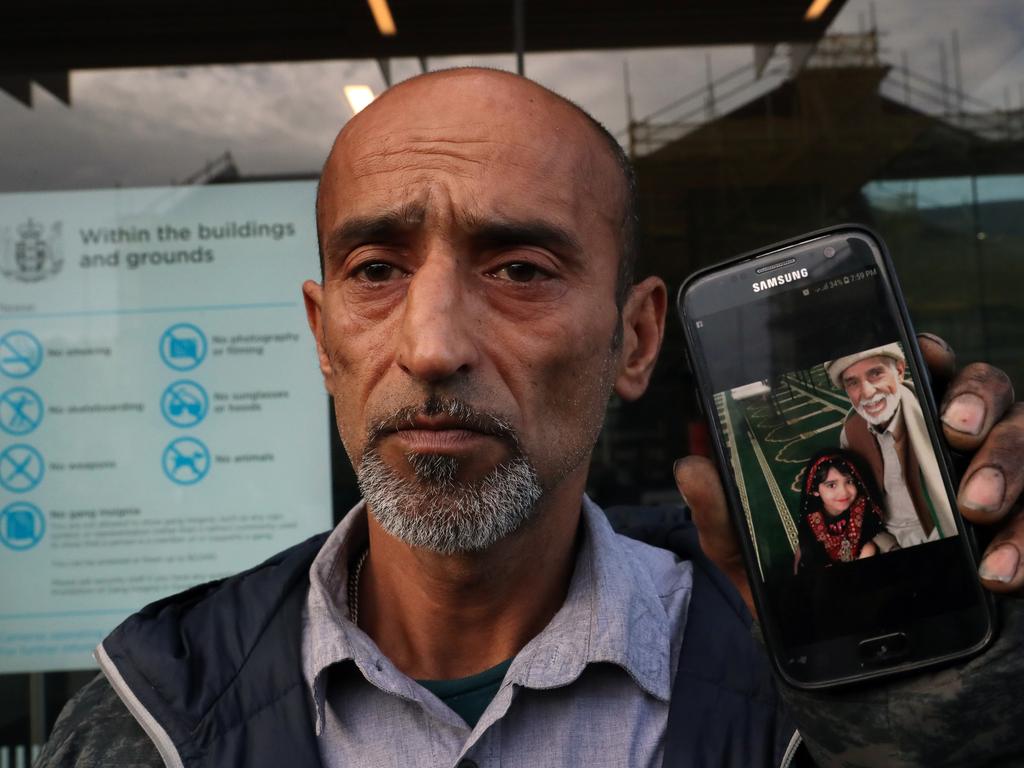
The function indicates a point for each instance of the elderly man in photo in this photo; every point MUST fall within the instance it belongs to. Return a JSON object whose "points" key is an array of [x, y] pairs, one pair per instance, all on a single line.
{"points": [[886, 427], [476, 311]]}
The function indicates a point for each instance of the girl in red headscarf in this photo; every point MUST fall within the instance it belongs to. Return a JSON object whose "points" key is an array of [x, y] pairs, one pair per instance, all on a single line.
{"points": [[839, 516]]}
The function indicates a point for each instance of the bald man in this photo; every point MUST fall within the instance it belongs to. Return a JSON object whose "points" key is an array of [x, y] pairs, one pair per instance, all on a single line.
{"points": [[475, 314]]}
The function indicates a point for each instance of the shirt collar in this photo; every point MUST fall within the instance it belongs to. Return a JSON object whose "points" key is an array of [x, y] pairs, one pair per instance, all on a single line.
{"points": [[612, 613]]}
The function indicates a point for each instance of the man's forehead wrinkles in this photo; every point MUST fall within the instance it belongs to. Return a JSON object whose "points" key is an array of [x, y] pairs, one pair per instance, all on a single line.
{"points": [[430, 170], [394, 138], [397, 157]]}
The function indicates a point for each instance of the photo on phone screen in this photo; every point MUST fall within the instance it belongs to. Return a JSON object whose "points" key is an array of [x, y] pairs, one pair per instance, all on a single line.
{"points": [[834, 463]]}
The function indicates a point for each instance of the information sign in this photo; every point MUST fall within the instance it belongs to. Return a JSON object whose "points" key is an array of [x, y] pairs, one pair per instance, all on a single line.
{"points": [[162, 418]]}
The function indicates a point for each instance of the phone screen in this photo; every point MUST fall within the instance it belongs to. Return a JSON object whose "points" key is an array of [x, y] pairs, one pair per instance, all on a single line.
{"points": [[830, 446]]}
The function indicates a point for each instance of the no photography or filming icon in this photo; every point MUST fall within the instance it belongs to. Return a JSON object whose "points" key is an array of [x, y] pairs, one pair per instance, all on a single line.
{"points": [[183, 347]]}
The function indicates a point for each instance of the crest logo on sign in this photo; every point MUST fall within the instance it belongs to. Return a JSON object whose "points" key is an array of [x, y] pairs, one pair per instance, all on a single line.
{"points": [[34, 255]]}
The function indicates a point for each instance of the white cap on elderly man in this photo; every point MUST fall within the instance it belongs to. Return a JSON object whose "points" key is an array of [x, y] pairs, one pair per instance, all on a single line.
{"points": [[835, 368]]}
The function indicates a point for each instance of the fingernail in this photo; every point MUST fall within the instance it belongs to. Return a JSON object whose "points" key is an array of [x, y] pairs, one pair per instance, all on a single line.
{"points": [[984, 491], [965, 413], [675, 465], [1000, 564], [937, 340]]}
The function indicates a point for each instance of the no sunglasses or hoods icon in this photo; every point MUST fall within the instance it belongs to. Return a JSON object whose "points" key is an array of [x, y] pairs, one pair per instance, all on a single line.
{"points": [[184, 403]]}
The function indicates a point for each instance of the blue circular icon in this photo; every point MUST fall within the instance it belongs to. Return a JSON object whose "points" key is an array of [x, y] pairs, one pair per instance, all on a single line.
{"points": [[184, 403], [21, 468], [21, 354], [186, 461], [22, 526], [183, 346], [21, 410]]}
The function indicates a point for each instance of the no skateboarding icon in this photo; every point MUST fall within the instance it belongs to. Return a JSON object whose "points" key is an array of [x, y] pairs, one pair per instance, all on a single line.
{"points": [[21, 410], [186, 461]]}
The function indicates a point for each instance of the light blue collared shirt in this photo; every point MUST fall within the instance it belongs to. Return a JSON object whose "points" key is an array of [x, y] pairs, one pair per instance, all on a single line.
{"points": [[591, 689]]}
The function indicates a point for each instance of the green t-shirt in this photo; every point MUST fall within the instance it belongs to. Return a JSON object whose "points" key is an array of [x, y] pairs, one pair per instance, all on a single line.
{"points": [[469, 696]]}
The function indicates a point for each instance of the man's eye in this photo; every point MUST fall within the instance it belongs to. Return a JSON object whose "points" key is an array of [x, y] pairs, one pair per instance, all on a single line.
{"points": [[376, 272], [520, 272]]}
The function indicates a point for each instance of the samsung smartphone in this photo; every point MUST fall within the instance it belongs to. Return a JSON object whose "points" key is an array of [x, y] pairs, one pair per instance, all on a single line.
{"points": [[825, 429]]}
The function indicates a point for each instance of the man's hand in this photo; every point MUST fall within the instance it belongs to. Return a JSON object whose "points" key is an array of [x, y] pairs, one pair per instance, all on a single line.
{"points": [[978, 414]]}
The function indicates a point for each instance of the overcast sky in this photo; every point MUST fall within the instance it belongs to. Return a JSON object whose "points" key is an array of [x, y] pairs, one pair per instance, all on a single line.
{"points": [[159, 125]]}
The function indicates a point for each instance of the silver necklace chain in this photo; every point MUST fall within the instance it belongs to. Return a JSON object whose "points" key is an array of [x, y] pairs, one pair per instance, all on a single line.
{"points": [[353, 588]]}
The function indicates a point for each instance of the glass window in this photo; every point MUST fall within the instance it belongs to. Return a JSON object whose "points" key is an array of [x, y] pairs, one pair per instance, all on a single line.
{"points": [[907, 116]]}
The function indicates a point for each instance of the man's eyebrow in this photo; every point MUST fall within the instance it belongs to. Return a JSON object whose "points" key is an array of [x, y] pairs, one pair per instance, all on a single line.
{"points": [[391, 225], [527, 232], [381, 227]]}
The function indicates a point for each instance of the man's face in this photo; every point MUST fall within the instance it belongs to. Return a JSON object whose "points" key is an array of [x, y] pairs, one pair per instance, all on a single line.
{"points": [[469, 225], [873, 386]]}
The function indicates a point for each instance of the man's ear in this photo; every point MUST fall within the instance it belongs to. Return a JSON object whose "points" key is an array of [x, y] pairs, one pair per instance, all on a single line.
{"points": [[643, 328], [901, 368], [313, 296]]}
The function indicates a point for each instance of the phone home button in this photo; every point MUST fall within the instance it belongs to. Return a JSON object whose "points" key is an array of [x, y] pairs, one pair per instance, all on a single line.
{"points": [[883, 648]]}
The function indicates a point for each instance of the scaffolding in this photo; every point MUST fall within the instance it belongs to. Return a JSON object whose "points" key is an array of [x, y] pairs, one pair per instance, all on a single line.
{"points": [[728, 94]]}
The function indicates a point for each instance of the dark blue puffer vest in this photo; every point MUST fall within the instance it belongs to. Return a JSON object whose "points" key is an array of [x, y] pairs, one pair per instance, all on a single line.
{"points": [[214, 674]]}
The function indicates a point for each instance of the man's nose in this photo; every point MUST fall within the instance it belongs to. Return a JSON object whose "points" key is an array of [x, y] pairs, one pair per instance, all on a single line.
{"points": [[868, 390], [437, 334]]}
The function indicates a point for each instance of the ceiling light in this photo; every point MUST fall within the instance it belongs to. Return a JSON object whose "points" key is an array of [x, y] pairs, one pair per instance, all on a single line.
{"points": [[382, 15], [359, 97], [815, 10]]}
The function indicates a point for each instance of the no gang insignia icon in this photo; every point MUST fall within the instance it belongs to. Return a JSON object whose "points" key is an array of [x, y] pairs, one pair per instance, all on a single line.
{"points": [[32, 253]]}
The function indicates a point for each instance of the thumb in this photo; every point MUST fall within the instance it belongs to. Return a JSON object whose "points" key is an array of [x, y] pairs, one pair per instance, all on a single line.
{"points": [[701, 487]]}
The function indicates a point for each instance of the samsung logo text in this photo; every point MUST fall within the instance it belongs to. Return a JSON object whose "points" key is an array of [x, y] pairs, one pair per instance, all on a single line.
{"points": [[772, 282]]}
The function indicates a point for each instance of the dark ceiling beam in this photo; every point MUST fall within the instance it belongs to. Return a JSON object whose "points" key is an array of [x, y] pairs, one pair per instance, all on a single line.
{"points": [[126, 33], [57, 84], [19, 87]]}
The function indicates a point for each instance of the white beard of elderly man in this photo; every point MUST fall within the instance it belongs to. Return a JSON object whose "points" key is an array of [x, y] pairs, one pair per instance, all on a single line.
{"points": [[886, 427]]}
